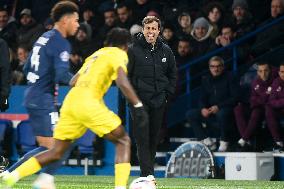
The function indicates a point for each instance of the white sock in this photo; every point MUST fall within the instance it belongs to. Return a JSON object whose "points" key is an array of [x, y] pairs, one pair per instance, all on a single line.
{"points": [[242, 142], [279, 143]]}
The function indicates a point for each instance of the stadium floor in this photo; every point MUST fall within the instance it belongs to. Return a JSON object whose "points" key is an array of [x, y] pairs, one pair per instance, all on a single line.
{"points": [[106, 182]]}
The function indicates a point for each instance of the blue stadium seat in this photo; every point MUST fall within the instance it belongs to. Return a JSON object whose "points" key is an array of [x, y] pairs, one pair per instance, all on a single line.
{"points": [[25, 137], [86, 150], [86, 144]]}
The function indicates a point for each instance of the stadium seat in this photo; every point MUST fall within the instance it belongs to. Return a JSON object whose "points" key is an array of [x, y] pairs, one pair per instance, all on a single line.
{"points": [[86, 144], [86, 148], [26, 140]]}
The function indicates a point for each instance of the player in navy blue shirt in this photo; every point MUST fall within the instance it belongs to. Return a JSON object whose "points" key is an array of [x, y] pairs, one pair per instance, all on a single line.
{"points": [[48, 66]]}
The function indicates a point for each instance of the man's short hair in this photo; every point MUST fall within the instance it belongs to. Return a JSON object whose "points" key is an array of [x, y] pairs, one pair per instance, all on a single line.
{"points": [[150, 19], [260, 63], [229, 25], [122, 4], [118, 37], [4, 8], [217, 58], [62, 8]]}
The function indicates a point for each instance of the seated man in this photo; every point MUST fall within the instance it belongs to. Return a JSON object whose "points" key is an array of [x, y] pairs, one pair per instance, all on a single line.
{"points": [[260, 91], [274, 109], [218, 97]]}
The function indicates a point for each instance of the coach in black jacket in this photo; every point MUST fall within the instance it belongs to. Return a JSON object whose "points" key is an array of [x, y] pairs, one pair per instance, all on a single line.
{"points": [[152, 72], [4, 75]]}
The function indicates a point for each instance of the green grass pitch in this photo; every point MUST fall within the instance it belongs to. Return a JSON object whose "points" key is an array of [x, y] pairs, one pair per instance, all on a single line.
{"points": [[105, 182]]}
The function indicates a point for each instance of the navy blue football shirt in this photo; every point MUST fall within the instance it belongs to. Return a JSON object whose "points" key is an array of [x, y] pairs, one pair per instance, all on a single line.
{"points": [[47, 65]]}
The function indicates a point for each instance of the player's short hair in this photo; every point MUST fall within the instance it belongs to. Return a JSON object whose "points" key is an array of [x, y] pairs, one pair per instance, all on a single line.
{"points": [[62, 8], [117, 37], [150, 19]]}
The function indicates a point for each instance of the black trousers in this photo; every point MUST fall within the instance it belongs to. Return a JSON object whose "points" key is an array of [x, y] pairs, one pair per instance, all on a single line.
{"points": [[146, 139], [223, 118]]}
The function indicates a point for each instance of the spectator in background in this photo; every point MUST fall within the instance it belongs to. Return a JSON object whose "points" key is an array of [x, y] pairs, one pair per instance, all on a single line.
{"points": [[277, 8], [274, 35], [48, 24], [242, 18], [83, 42], [274, 110], [202, 42], [135, 29], [153, 12], [8, 28], [215, 13], [41, 9], [141, 7], [260, 91], [124, 14], [169, 35], [184, 25], [152, 72], [29, 30], [18, 72], [184, 51], [218, 97], [227, 36], [4, 75], [183, 56], [109, 23], [76, 61], [90, 17]]}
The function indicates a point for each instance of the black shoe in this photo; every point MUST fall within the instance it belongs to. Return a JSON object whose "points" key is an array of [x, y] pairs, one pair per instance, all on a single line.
{"points": [[4, 162]]}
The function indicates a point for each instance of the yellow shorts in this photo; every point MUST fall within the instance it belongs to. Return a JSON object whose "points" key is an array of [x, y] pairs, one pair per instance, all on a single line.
{"points": [[76, 118]]}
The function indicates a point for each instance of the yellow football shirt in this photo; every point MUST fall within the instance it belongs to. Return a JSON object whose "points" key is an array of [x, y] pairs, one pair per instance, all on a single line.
{"points": [[83, 106], [98, 73]]}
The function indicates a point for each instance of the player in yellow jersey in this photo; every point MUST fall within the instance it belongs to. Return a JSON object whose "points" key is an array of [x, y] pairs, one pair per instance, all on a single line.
{"points": [[84, 108]]}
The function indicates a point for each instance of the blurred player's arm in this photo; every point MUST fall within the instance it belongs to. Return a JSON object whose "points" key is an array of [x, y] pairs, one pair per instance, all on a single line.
{"points": [[124, 85], [74, 79]]}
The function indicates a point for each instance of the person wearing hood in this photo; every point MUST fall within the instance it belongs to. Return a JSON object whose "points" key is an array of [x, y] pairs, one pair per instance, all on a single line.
{"points": [[83, 43], [202, 42], [29, 30], [152, 72]]}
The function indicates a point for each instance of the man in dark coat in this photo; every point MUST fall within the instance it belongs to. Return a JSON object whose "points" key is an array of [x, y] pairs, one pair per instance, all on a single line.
{"points": [[152, 72], [218, 97], [4, 75]]}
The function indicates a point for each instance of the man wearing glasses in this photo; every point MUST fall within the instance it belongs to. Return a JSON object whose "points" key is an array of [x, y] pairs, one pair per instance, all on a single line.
{"points": [[217, 99]]}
